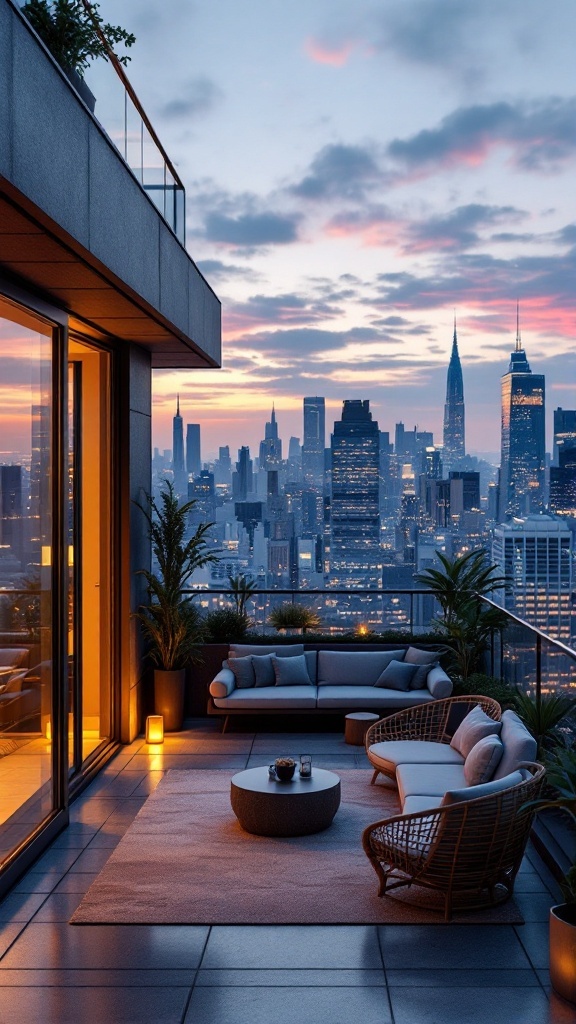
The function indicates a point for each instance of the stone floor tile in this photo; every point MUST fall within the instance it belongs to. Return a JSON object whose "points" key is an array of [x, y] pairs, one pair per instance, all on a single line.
{"points": [[292, 946], [20, 906], [534, 906], [92, 859], [534, 936], [76, 882], [149, 783], [474, 1006], [93, 1005], [57, 860], [106, 839], [8, 934], [109, 978], [463, 977], [58, 907], [96, 811], [38, 881], [68, 840], [269, 1005], [54, 946], [286, 977], [530, 883], [451, 946], [232, 762]]}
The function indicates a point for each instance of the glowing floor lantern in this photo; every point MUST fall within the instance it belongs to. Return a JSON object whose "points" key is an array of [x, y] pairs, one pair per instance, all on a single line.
{"points": [[154, 729]]}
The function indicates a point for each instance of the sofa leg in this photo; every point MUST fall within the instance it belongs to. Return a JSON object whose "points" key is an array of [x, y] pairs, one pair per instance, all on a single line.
{"points": [[225, 723], [375, 776]]}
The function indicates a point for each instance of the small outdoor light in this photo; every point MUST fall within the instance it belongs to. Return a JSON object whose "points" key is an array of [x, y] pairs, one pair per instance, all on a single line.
{"points": [[154, 729]]}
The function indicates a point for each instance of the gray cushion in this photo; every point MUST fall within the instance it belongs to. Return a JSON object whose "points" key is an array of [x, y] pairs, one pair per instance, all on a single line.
{"points": [[243, 672], [291, 671], [391, 753], [354, 668], [312, 663], [474, 726], [396, 676], [415, 656], [438, 683], [281, 651], [483, 760], [270, 698], [415, 804], [369, 698], [263, 669], [223, 683], [420, 677], [519, 744], [429, 780], [487, 789]]}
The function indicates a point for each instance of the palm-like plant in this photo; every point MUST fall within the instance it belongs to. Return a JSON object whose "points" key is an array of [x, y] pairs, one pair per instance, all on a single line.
{"points": [[242, 590], [293, 616], [562, 777], [170, 622], [542, 715]]}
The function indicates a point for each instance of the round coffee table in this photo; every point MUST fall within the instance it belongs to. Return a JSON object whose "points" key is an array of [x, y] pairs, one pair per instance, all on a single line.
{"points": [[267, 807]]}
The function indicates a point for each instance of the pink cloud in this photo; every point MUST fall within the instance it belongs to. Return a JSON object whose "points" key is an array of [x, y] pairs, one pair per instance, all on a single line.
{"points": [[323, 53]]}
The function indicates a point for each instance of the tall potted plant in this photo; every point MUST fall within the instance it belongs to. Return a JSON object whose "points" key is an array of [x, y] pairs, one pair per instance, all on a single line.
{"points": [[171, 624]]}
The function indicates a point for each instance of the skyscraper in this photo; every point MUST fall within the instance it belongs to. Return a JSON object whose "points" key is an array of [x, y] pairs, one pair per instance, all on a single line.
{"points": [[178, 465], [454, 435], [564, 431], [355, 555], [271, 446], [314, 442], [193, 457], [523, 445]]}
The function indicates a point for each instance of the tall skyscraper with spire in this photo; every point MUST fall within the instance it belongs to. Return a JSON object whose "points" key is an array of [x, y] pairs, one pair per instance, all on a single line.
{"points": [[454, 439], [271, 446], [523, 440], [178, 464]]}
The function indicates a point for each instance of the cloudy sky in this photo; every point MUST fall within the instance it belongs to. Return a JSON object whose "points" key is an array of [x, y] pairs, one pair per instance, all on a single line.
{"points": [[355, 172]]}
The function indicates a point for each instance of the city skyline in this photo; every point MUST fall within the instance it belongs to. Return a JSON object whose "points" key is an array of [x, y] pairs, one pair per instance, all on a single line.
{"points": [[354, 174]]}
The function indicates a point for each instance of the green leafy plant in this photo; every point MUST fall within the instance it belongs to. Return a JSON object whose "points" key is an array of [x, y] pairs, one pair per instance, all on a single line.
{"points": [[562, 778], [293, 616], [542, 716], [466, 625], [225, 626], [171, 624], [486, 686], [75, 33], [242, 590]]}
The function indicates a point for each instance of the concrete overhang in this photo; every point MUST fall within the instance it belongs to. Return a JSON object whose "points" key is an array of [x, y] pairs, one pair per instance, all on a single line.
{"points": [[77, 226]]}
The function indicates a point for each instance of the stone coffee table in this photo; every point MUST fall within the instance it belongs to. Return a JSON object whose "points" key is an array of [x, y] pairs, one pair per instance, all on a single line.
{"points": [[268, 807]]}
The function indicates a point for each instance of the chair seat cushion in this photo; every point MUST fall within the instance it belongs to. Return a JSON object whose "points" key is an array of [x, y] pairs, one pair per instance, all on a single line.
{"points": [[267, 698], [415, 804], [391, 753], [371, 698], [429, 780]]}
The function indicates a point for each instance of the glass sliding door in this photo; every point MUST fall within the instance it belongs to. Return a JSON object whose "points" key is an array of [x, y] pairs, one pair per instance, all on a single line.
{"points": [[89, 551], [27, 675]]}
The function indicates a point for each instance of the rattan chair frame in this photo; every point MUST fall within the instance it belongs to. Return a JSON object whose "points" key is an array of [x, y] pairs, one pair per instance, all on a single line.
{"points": [[424, 722], [467, 852]]}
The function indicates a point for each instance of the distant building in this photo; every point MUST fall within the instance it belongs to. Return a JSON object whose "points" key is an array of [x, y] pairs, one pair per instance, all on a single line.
{"points": [[242, 479], [563, 483], [201, 490], [193, 457], [523, 444], [223, 467], [314, 442], [454, 428], [564, 431], [178, 463], [271, 446], [355, 554]]}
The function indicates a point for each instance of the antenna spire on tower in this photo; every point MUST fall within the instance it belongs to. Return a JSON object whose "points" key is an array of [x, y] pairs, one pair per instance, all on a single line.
{"points": [[518, 338]]}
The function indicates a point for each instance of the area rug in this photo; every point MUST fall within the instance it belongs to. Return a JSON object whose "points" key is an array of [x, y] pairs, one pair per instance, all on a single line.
{"points": [[186, 860]]}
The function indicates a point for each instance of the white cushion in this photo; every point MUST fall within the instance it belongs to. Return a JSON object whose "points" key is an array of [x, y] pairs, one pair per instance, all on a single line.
{"points": [[474, 726], [487, 789], [266, 698], [391, 753], [482, 760], [370, 698], [519, 744], [438, 683], [415, 804], [223, 683], [429, 779]]}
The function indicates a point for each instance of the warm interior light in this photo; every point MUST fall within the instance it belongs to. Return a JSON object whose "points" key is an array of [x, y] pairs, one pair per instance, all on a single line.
{"points": [[46, 555], [154, 729], [49, 730], [363, 630]]}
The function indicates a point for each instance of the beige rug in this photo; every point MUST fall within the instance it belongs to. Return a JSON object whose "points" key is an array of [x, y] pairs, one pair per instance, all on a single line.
{"points": [[185, 860]]}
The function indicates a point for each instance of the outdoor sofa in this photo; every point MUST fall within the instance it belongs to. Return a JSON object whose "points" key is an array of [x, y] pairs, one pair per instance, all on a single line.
{"points": [[297, 678], [464, 773]]}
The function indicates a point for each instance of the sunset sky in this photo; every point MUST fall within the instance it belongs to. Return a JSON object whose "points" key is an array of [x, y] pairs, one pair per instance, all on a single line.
{"points": [[354, 173]]}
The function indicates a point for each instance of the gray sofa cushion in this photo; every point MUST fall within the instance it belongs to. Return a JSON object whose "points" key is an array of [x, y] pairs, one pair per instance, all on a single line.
{"points": [[391, 753], [420, 678], [270, 698], [368, 698], [291, 671], [353, 668], [438, 683], [416, 804], [519, 744], [223, 683], [487, 789], [483, 759], [263, 669], [397, 676], [433, 780], [415, 656], [312, 663], [243, 672], [473, 727], [281, 651]]}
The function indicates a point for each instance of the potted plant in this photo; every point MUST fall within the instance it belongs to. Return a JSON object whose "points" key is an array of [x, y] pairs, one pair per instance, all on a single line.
{"points": [[293, 617], [75, 33], [171, 624], [562, 776]]}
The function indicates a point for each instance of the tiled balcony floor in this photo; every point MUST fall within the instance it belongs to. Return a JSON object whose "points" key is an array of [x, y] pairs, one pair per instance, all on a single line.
{"points": [[55, 973]]}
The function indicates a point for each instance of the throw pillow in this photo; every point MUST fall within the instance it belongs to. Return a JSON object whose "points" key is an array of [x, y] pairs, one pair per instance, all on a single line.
{"points": [[414, 656], [263, 669], [474, 727], [482, 760], [291, 671], [243, 672], [420, 677], [396, 676]]}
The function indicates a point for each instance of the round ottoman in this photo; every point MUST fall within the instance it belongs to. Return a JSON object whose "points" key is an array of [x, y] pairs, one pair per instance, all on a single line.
{"points": [[357, 725]]}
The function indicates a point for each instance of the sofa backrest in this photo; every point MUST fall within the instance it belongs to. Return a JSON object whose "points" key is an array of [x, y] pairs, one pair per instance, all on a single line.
{"points": [[353, 668]]}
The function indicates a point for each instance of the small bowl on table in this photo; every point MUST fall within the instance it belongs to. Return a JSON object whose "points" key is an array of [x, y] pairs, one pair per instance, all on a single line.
{"points": [[285, 768]]}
